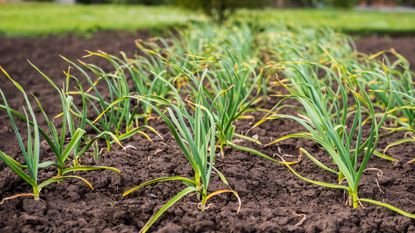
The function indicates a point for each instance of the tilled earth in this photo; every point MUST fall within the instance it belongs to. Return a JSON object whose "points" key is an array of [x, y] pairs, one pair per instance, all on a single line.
{"points": [[273, 199]]}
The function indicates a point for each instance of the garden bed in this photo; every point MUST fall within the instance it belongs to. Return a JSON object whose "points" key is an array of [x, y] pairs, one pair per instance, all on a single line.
{"points": [[273, 199]]}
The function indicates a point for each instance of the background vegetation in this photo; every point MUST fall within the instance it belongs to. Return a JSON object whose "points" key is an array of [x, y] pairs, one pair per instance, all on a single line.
{"points": [[34, 19]]}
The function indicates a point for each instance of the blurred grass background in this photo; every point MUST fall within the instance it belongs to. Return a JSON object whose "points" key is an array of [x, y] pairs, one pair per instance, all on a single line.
{"points": [[346, 20], [36, 19]]}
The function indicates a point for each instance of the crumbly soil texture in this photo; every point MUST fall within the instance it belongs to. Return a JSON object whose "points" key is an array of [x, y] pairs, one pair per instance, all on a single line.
{"points": [[273, 199]]}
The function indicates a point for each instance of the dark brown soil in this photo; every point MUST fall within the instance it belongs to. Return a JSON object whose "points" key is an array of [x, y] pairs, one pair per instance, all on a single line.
{"points": [[403, 45], [273, 199]]}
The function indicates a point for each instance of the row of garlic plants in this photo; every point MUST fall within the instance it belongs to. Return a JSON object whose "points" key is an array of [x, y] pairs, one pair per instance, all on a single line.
{"points": [[200, 83], [345, 98]]}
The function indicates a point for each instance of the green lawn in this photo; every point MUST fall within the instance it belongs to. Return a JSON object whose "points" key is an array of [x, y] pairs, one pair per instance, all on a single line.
{"points": [[33, 19], [344, 20]]}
